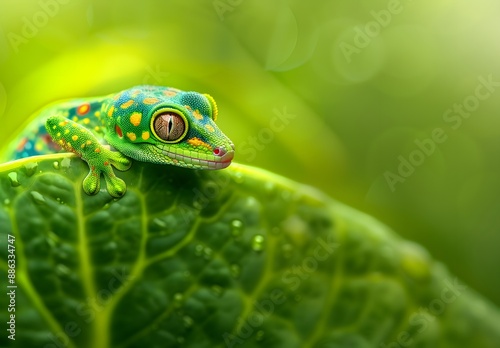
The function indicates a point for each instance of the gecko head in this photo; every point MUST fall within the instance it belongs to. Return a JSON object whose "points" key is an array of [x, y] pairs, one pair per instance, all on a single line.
{"points": [[167, 126]]}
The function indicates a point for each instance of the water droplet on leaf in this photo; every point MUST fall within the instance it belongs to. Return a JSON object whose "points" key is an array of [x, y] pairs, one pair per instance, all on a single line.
{"points": [[198, 250], [37, 197], [66, 163], [236, 228], [14, 181], [258, 242], [159, 222], [31, 168]]}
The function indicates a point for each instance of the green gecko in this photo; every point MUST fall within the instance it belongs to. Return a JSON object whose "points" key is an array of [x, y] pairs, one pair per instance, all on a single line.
{"points": [[146, 123]]}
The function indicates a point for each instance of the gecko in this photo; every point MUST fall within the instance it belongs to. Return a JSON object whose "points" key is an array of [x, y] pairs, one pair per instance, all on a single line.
{"points": [[154, 124]]}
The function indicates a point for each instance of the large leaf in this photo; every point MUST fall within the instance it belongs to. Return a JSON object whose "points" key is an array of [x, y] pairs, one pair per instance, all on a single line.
{"points": [[238, 257]]}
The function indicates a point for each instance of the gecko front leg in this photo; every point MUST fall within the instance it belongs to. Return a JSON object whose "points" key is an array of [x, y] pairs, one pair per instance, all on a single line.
{"points": [[75, 138]]}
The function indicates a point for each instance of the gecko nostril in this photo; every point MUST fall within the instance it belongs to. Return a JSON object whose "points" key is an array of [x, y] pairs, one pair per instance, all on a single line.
{"points": [[219, 151]]}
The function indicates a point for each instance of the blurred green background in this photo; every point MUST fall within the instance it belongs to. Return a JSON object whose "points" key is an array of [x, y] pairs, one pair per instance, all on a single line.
{"points": [[335, 94]]}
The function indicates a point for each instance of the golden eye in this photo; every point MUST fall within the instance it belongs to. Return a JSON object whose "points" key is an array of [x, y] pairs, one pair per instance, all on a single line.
{"points": [[169, 126]]}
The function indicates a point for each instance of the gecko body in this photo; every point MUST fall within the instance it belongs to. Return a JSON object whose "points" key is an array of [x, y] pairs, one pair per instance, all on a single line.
{"points": [[146, 123]]}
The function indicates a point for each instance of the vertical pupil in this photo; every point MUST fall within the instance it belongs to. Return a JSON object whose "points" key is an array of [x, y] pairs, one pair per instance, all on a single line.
{"points": [[170, 124]]}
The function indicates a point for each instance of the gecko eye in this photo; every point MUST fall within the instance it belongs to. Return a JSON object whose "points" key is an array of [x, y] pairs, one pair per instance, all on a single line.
{"points": [[169, 127]]}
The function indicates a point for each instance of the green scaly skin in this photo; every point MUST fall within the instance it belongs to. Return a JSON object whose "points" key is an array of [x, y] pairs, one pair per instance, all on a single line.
{"points": [[146, 123]]}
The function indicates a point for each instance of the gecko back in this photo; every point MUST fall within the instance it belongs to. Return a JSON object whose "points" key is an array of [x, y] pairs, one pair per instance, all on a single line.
{"points": [[34, 139]]}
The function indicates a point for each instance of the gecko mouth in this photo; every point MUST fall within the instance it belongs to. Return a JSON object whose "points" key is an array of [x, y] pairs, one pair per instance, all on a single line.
{"points": [[199, 163]]}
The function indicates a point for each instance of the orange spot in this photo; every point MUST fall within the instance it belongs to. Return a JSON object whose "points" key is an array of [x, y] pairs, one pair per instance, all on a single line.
{"points": [[106, 163], [111, 110], [97, 150], [21, 144], [210, 128], [63, 123], [74, 137], [198, 142], [135, 118], [131, 136], [197, 114], [145, 135], [118, 131], [127, 104], [169, 93], [150, 101], [135, 93], [187, 107], [83, 109]]}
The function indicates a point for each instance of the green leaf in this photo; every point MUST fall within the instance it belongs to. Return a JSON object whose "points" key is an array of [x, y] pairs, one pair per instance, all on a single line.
{"points": [[238, 257]]}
